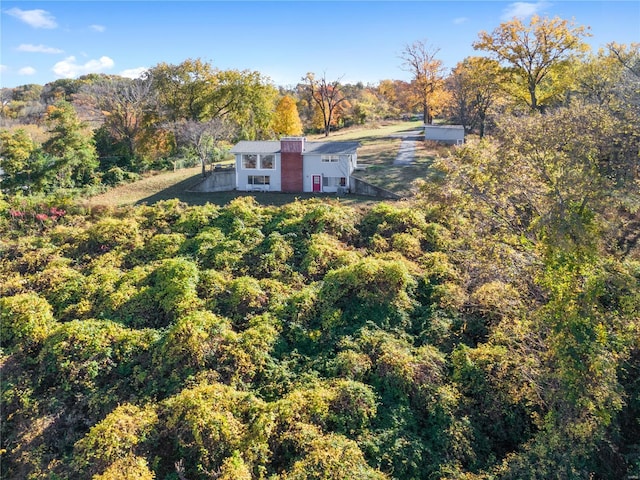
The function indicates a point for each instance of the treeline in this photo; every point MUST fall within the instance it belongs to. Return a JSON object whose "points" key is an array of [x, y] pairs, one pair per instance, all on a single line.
{"points": [[177, 115], [488, 328], [110, 129]]}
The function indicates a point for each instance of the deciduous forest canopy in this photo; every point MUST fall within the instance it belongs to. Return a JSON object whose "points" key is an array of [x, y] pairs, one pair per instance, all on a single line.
{"points": [[487, 327]]}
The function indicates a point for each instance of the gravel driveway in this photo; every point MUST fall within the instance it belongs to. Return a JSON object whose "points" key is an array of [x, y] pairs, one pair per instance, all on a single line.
{"points": [[407, 146]]}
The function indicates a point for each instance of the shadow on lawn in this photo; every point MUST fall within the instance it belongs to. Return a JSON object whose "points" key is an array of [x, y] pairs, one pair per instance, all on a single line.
{"points": [[181, 192]]}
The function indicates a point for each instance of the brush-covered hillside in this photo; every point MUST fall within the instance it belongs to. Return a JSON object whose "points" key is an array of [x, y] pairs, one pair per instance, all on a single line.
{"points": [[487, 328]]}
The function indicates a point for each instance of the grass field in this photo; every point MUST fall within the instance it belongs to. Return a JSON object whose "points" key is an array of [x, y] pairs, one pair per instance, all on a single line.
{"points": [[367, 133], [379, 153], [378, 150], [169, 185]]}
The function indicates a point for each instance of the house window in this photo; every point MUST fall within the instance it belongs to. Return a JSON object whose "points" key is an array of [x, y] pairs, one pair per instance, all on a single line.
{"points": [[334, 181], [330, 158], [249, 161], [267, 162], [259, 180], [253, 160]]}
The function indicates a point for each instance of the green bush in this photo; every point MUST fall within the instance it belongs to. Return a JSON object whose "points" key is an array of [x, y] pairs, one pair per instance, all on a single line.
{"points": [[243, 296], [247, 355], [26, 319], [340, 406], [407, 244], [191, 344], [212, 284], [496, 299], [82, 356], [132, 300], [274, 257], [369, 290], [330, 457], [111, 233], [212, 249], [241, 212], [159, 247], [66, 289], [174, 284], [235, 468], [196, 218], [208, 423], [161, 216], [127, 468], [326, 253], [116, 176], [386, 219], [350, 364], [305, 218], [114, 439]]}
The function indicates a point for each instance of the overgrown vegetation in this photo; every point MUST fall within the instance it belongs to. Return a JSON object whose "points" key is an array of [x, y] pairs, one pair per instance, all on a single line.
{"points": [[479, 331], [486, 328]]}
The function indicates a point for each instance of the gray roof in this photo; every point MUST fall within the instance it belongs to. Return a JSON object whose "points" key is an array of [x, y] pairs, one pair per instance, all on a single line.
{"points": [[315, 148], [246, 146], [330, 148], [445, 127]]}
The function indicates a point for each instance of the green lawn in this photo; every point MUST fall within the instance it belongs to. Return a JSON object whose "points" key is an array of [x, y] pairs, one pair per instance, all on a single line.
{"points": [[367, 133], [377, 154], [169, 185]]}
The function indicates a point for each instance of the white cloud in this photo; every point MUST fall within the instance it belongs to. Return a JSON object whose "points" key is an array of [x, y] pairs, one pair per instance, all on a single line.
{"points": [[34, 18], [4, 68], [523, 9], [27, 47], [133, 72], [70, 68], [27, 71], [98, 28], [460, 20]]}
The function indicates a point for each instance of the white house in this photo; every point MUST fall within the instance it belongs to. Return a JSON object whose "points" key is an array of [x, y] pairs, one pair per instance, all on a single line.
{"points": [[295, 165], [452, 134]]}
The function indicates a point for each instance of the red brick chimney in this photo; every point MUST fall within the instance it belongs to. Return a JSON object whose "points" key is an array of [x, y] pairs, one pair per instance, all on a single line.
{"points": [[291, 149]]}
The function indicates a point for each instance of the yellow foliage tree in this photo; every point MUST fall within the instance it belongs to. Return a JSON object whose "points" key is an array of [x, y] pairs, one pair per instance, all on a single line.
{"points": [[537, 55], [286, 120]]}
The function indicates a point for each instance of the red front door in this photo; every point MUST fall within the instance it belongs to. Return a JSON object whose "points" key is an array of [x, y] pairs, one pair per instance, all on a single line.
{"points": [[317, 183]]}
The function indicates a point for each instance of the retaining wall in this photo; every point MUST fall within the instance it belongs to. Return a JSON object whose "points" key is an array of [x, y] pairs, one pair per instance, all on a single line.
{"points": [[360, 187], [217, 181]]}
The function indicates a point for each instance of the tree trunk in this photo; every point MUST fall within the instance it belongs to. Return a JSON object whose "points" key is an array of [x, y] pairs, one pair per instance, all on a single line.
{"points": [[534, 100], [327, 125]]}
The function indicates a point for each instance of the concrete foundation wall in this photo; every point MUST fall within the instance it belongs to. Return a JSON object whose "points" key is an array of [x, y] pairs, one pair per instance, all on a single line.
{"points": [[217, 181], [360, 187]]}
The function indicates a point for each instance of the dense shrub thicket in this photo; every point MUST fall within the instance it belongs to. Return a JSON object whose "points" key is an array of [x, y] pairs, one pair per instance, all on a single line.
{"points": [[311, 340]]}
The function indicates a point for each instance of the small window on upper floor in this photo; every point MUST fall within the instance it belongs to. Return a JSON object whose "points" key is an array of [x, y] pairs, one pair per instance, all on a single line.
{"points": [[330, 158], [267, 162], [249, 160]]}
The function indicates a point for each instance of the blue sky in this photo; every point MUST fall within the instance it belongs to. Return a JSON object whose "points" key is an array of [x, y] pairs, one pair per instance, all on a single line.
{"points": [[41, 41]]}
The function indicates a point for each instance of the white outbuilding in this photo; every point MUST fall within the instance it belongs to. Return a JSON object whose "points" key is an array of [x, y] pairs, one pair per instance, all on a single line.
{"points": [[450, 134]]}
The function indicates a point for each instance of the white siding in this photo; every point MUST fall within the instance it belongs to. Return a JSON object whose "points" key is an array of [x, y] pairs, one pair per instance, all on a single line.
{"points": [[313, 165], [242, 174], [444, 133]]}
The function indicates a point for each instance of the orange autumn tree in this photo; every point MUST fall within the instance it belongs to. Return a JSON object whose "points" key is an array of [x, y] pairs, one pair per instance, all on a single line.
{"points": [[419, 59], [328, 98]]}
